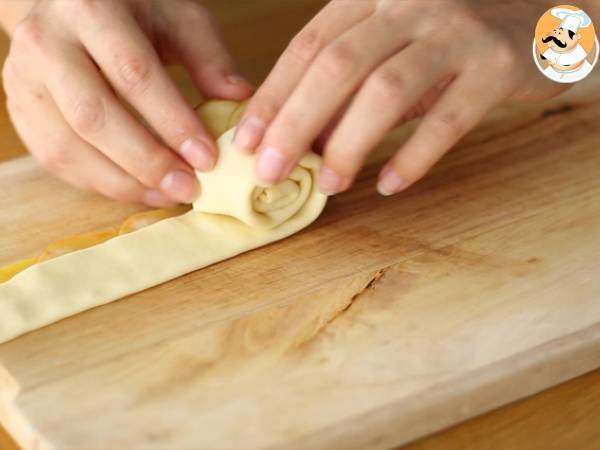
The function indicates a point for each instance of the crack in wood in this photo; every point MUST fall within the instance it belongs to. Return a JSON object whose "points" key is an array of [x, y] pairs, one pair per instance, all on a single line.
{"points": [[373, 280], [558, 110]]}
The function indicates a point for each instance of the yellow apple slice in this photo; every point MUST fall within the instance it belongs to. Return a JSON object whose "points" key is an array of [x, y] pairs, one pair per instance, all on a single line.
{"points": [[143, 219], [218, 117], [10, 270], [77, 242], [80, 241]]}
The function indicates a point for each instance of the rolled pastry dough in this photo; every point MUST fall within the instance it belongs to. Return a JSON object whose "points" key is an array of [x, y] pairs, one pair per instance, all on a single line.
{"points": [[231, 215]]}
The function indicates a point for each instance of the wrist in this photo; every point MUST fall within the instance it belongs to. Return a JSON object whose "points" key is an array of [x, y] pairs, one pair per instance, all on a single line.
{"points": [[12, 12]]}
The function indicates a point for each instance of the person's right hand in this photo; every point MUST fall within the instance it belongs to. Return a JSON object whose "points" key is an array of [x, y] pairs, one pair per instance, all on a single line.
{"points": [[69, 61]]}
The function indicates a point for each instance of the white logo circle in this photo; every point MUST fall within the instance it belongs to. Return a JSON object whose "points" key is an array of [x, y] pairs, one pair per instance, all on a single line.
{"points": [[561, 44]]}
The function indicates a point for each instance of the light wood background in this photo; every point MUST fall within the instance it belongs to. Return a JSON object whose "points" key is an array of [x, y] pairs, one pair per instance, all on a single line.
{"points": [[562, 417]]}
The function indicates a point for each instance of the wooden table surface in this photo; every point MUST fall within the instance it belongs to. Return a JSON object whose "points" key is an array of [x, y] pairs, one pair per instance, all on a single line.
{"points": [[562, 417]]}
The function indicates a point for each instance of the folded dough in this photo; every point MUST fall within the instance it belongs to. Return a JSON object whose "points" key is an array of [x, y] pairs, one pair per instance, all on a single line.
{"points": [[231, 215]]}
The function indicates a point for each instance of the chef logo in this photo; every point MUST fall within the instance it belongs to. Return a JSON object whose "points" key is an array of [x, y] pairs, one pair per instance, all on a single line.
{"points": [[565, 47]]}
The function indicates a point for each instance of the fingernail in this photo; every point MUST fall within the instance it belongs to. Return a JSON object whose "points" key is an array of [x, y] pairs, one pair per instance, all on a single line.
{"points": [[156, 199], [237, 79], [389, 182], [249, 133], [270, 165], [330, 183], [198, 153], [180, 186]]}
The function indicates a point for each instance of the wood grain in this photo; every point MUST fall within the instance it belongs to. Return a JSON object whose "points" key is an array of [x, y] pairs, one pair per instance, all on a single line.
{"points": [[10, 144], [557, 419], [435, 316], [262, 341]]}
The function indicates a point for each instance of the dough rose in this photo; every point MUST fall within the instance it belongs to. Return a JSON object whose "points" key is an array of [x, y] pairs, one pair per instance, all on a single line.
{"points": [[231, 215], [231, 189]]}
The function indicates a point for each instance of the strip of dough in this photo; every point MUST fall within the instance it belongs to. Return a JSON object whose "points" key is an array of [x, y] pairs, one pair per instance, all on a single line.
{"points": [[232, 215]]}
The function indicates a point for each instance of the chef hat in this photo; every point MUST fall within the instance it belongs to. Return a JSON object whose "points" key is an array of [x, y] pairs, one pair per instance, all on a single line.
{"points": [[571, 20]]}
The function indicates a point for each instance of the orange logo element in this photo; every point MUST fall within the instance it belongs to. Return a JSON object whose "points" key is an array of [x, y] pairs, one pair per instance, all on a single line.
{"points": [[565, 48]]}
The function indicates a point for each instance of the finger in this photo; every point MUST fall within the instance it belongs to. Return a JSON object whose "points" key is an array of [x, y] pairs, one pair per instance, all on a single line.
{"points": [[459, 109], [330, 23], [335, 74], [193, 37], [321, 141], [417, 110], [428, 99], [126, 57], [95, 114], [387, 95], [52, 141]]}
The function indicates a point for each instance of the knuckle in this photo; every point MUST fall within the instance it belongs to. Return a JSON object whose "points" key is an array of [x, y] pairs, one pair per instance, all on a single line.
{"points": [[29, 33], [193, 11], [387, 86], [465, 16], [460, 15], [88, 115], [177, 129], [434, 48], [56, 159], [505, 57], [338, 61], [305, 45], [151, 170], [391, 12], [87, 6], [134, 73], [448, 125]]}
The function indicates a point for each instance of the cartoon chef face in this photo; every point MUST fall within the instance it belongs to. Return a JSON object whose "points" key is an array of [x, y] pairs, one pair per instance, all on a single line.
{"points": [[564, 59], [561, 39]]}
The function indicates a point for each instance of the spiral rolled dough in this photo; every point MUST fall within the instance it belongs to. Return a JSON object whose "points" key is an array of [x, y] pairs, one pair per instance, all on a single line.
{"points": [[231, 215]]}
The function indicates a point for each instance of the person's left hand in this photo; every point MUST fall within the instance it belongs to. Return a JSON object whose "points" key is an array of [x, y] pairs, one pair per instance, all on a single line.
{"points": [[360, 68]]}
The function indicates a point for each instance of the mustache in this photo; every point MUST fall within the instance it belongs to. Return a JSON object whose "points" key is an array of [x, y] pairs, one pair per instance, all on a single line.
{"points": [[556, 41]]}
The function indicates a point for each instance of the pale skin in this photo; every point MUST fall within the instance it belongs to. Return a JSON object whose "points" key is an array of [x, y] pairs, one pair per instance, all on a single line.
{"points": [[357, 70], [68, 61]]}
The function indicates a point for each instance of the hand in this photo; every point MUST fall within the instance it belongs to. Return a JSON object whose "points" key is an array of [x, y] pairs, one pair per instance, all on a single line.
{"points": [[72, 62], [359, 68]]}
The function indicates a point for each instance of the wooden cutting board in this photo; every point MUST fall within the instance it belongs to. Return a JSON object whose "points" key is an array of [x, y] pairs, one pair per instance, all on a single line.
{"points": [[387, 319]]}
